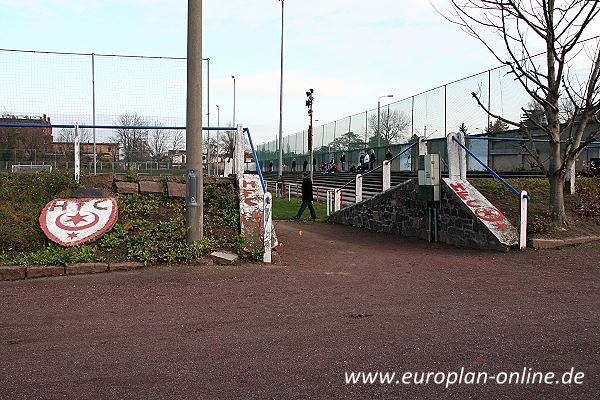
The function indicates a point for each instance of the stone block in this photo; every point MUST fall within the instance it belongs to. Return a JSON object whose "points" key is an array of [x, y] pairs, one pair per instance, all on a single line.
{"points": [[126, 187], [42, 272], [175, 189], [126, 266], [151, 187], [12, 272], [223, 258], [86, 268]]}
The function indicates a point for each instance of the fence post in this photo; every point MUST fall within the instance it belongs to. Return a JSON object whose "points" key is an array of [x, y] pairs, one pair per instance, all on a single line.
{"points": [[328, 202], [457, 157], [238, 157], [76, 166], [387, 178], [267, 225], [358, 190], [523, 221], [337, 200]]}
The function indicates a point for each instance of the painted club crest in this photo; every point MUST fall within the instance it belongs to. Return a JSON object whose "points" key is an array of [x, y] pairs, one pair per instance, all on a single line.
{"points": [[71, 222]]}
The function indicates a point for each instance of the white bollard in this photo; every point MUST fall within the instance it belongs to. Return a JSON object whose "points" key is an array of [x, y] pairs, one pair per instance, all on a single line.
{"points": [[267, 225], [289, 192], [571, 178], [328, 203], [337, 200], [523, 221], [358, 191], [387, 175]]}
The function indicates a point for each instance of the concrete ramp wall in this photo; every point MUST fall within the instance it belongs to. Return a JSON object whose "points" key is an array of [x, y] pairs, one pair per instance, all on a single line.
{"points": [[399, 210]]}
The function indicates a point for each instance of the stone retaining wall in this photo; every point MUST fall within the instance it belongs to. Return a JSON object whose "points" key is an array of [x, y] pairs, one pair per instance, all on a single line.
{"points": [[399, 210]]}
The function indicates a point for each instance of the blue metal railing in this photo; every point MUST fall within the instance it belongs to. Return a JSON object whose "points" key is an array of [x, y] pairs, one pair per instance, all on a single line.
{"points": [[258, 169], [484, 165]]}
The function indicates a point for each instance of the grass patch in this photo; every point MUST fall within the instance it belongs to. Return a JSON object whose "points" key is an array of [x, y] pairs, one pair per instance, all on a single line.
{"points": [[149, 227], [582, 208], [22, 197], [286, 209]]}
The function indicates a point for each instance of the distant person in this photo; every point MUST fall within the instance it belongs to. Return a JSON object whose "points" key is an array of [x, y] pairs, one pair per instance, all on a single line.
{"points": [[307, 197], [304, 165], [294, 165], [361, 161], [314, 163], [343, 161], [372, 160], [388, 154], [270, 166], [366, 161]]}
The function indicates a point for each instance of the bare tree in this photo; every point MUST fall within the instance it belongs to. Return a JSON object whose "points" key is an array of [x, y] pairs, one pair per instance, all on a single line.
{"points": [[68, 135], [134, 141], [559, 25], [178, 139], [158, 142], [392, 127]]}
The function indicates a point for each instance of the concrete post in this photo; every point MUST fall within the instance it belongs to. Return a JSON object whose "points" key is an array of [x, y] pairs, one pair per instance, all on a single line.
{"points": [[193, 138], [238, 152], [358, 192], [457, 157], [422, 145], [387, 174]]}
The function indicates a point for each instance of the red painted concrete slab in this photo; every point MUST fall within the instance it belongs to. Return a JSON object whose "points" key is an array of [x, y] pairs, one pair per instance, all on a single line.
{"points": [[71, 222]]}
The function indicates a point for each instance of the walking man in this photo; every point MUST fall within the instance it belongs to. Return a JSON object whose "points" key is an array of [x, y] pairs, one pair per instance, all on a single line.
{"points": [[307, 197]]}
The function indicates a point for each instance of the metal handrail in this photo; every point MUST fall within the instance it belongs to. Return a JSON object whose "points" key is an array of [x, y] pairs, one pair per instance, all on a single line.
{"points": [[484, 165], [258, 169]]}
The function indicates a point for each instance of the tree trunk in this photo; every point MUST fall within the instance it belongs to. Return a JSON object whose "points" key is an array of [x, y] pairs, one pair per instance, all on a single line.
{"points": [[557, 199]]}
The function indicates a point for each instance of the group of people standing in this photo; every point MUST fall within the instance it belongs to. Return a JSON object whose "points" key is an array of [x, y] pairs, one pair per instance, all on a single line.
{"points": [[367, 161]]}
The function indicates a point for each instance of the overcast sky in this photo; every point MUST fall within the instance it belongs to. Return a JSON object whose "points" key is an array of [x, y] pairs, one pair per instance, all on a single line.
{"points": [[350, 51]]}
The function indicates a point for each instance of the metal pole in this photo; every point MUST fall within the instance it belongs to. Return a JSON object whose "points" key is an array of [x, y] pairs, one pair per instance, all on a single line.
{"points": [[94, 109], [233, 77], [208, 113], [378, 111], [194, 178], [218, 134], [281, 98]]}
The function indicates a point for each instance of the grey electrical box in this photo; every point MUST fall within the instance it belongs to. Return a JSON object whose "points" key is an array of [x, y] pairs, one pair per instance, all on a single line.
{"points": [[429, 177]]}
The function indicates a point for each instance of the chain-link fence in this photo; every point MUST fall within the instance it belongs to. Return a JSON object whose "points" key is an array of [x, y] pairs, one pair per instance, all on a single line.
{"points": [[95, 89], [433, 114]]}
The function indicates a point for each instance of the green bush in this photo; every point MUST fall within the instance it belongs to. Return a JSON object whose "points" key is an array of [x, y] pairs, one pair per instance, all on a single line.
{"points": [[22, 198]]}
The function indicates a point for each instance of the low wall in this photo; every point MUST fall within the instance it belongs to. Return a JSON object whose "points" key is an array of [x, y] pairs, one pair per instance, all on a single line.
{"points": [[399, 210]]}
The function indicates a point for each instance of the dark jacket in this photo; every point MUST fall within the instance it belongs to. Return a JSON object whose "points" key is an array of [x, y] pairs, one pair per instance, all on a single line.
{"points": [[307, 191]]}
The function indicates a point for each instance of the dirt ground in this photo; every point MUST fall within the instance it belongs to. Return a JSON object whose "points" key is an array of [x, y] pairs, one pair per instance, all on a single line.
{"points": [[337, 300]]}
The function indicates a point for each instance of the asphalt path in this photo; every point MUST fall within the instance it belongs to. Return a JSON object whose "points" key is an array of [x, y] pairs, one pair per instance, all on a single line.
{"points": [[337, 300]]}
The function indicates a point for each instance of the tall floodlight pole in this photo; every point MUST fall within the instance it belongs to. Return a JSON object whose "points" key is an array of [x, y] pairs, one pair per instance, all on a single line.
{"points": [[309, 104], [207, 113], [218, 135], [193, 134], [233, 77], [281, 99], [378, 112]]}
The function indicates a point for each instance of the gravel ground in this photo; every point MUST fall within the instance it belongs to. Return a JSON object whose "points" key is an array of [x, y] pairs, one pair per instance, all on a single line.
{"points": [[337, 300]]}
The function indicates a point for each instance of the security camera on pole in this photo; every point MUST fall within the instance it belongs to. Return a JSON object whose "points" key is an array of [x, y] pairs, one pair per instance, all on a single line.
{"points": [[309, 104]]}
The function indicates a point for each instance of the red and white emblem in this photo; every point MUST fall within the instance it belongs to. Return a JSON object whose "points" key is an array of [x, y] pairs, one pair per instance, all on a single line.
{"points": [[71, 222]]}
